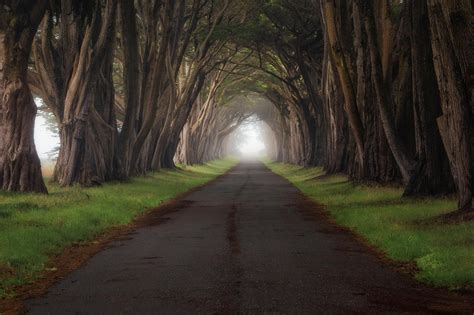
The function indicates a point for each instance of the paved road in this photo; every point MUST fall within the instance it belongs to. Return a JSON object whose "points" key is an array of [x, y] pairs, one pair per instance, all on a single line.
{"points": [[246, 243]]}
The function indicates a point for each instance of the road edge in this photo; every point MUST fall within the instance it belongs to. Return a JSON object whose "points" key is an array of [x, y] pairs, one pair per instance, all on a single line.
{"points": [[406, 269], [75, 256]]}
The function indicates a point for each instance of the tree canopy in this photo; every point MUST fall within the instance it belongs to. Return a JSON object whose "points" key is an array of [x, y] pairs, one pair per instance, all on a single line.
{"points": [[380, 90]]}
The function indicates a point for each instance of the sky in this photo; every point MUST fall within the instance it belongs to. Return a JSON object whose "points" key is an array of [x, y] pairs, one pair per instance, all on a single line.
{"points": [[45, 140]]}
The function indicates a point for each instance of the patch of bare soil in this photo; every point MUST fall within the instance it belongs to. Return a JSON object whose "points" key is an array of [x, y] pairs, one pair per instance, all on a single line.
{"points": [[455, 217], [449, 218]]}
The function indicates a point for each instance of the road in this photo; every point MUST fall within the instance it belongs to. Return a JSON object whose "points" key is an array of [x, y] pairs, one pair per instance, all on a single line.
{"points": [[246, 243]]}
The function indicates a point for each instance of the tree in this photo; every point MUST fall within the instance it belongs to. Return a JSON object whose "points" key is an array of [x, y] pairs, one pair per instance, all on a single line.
{"points": [[20, 168], [451, 41], [431, 175], [74, 70]]}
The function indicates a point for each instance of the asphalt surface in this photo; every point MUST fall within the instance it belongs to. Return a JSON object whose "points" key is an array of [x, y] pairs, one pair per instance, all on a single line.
{"points": [[246, 243]]}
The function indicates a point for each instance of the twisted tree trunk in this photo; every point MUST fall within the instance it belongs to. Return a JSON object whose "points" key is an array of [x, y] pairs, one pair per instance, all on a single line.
{"points": [[451, 34], [131, 81], [431, 175], [337, 52], [88, 130], [337, 131], [379, 68], [20, 168], [75, 74], [378, 159]]}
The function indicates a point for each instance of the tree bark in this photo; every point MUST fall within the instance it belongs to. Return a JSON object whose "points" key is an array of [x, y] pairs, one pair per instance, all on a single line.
{"points": [[337, 130], [378, 160], [20, 168], [338, 56], [131, 81], [451, 26], [431, 175], [75, 74], [383, 94]]}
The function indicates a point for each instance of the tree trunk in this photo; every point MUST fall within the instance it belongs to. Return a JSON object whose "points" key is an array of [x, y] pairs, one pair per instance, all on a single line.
{"points": [[131, 81], [383, 93], [336, 122], [20, 168], [347, 85], [451, 24], [88, 143], [378, 160], [74, 67], [431, 176], [88, 131]]}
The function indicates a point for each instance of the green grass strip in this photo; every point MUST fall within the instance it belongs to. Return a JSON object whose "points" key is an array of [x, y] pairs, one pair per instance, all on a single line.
{"points": [[34, 227]]}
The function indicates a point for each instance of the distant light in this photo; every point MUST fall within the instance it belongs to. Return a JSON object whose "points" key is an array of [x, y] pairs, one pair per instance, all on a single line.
{"points": [[46, 140], [250, 140]]}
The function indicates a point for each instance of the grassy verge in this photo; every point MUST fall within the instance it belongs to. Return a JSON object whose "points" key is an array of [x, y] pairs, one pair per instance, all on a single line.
{"points": [[444, 253], [34, 227]]}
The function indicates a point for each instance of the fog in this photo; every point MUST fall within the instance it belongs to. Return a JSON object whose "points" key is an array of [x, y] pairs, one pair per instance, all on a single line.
{"points": [[249, 140], [45, 140]]}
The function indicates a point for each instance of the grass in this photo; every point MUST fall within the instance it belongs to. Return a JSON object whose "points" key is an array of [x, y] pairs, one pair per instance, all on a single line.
{"points": [[443, 253], [34, 227]]}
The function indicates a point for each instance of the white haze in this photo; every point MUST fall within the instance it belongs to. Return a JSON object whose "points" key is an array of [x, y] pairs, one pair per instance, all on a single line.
{"points": [[250, 140], [45, 140]]}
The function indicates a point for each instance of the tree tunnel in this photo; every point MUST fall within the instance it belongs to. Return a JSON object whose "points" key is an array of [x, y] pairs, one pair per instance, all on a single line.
{"points": [[378, 90], [247, 126]]}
